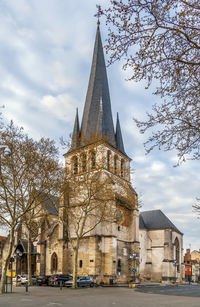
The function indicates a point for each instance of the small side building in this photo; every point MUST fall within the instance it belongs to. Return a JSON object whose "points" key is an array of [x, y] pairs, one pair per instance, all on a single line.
{"points": [[161, 248]]}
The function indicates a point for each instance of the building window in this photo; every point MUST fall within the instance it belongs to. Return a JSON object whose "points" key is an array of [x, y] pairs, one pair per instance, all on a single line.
{"points": [[115, 164], [83, 162], [93, 159], [177, 253], [54, 262], [122, 168], [118, 228], [75, 165], [108, 159], [119, 265], [80, 263]]}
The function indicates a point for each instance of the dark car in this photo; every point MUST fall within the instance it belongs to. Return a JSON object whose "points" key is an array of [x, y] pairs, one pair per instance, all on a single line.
{"points": [[59, 279], [43, 280], [85, 281]]}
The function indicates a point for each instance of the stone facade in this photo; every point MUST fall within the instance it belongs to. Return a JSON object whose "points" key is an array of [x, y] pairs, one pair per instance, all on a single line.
{"points": [[161, 246]]}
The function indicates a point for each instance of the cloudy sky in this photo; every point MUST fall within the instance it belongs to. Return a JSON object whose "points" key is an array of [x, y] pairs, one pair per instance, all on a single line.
{"points": [[45, 58]]}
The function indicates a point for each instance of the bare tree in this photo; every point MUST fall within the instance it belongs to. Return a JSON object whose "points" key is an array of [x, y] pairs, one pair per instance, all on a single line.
{"points": [[159, 40], [87, 202], [30, 168]]}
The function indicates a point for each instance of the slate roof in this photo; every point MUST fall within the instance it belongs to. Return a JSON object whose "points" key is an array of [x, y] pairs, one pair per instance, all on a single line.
{"points": [[118, 137], [76, 132], [97, 120], [51, 203], [155, 219]]}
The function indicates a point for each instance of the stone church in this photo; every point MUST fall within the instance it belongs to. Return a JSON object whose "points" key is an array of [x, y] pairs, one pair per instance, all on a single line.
{"points": [[133, 246]]}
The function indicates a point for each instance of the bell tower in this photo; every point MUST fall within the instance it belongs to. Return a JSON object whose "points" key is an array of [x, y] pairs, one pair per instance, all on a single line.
{"points": [[97, 145]]}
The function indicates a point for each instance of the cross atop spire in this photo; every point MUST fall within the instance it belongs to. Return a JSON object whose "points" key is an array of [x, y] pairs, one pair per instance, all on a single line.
{"points": [[98, 14]]}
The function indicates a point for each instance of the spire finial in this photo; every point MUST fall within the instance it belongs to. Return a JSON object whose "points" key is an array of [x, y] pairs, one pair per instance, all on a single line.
{"points": [[98, 14]]}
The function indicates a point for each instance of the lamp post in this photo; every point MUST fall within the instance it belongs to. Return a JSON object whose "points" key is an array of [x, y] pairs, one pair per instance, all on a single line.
{"points": [[134, 257], [17, 254]]}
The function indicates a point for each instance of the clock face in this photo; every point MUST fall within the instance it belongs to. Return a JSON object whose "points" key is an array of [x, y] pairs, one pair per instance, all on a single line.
{"points": [[118, 215]]}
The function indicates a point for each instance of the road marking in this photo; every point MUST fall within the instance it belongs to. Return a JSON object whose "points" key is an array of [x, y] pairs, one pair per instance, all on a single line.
{"points": [[26, 300]]}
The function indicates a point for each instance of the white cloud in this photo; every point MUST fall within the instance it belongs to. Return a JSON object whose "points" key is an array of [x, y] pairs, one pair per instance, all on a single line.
{"points": [[62, 106]]}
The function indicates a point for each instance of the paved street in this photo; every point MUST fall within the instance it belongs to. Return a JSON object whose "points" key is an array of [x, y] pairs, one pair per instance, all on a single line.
{"points": [[183, 296]]}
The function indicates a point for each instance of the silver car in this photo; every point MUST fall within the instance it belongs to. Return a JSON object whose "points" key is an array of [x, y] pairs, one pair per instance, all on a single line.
{"points": [[85, 281]]}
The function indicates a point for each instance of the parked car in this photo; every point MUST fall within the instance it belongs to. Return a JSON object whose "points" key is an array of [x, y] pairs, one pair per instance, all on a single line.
{"points": [[34, 280], [43, 280], [24, 279], [58, 279], [69, 282], [85, 281], [17, 278]]}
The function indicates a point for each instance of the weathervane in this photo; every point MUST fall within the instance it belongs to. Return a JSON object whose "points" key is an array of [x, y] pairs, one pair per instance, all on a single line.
{"points": [[98, 14]]}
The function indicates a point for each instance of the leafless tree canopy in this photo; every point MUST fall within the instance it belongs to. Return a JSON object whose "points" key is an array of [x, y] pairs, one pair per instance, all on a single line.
{"points": [[160, 40], [29, 169]]}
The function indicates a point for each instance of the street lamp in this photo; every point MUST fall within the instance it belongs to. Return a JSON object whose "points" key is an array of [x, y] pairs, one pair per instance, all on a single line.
{"points": [[134, 257]]}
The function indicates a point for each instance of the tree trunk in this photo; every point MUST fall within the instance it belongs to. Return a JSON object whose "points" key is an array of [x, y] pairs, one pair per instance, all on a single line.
{"points": [[75, 265], [7, 260], [29, 260]]}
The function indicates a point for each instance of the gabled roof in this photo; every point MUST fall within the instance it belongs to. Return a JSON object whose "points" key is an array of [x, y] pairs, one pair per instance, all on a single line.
{"points": [[155, 219]]}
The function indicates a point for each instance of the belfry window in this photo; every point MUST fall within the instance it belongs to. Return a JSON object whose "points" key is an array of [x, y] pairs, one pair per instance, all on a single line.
{"points": [[93, 159], [83, 162], [122, 168], [54, 262], [108, 159], [75, 165], [115, 164]]}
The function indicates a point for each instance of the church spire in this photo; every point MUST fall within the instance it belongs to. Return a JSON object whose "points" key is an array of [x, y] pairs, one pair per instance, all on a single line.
{"points": [[97, 119], [118, 137], [76, 133]]}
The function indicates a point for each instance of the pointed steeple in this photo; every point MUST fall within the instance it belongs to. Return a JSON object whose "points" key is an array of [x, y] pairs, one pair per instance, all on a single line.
{"points": [[97, 119], [118, 137], [76, 133]]}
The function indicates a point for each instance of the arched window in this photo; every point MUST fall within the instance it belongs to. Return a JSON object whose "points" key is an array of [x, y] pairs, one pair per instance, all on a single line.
{"points": [[93, 159], [75, 165], [54, 262], [122, 167], [115, 164], [177, 253], [108, 159], [83, 162]]}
